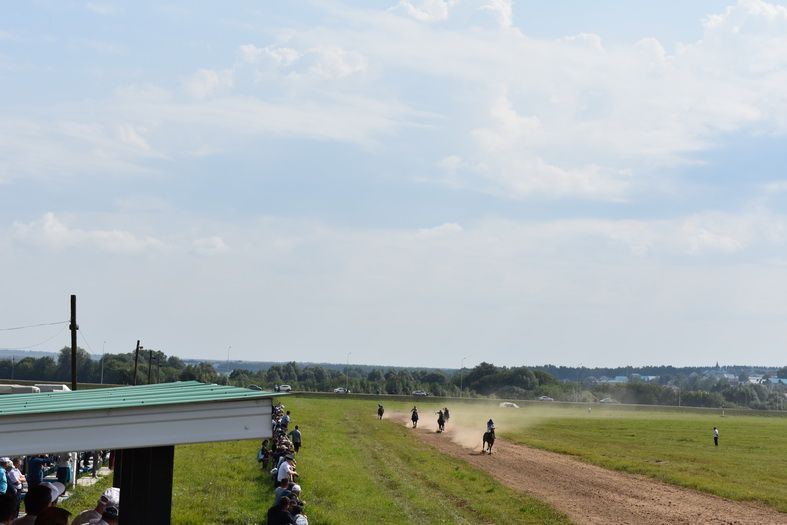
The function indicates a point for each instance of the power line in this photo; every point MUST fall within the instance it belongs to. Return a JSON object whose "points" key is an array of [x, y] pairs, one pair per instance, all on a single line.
{"points": [[30, 326], [84, 339], [26, 347]]}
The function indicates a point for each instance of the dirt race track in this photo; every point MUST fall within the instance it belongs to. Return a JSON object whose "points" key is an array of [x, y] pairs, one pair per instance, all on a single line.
{"points": [[594, 495]]}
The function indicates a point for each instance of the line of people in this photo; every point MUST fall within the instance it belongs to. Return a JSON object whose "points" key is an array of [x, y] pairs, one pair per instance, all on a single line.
{"points": [[278, 455]]}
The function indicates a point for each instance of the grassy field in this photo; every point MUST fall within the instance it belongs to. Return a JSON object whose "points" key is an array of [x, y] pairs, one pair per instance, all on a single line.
{"points": [[353, 468], [356, 468], [750, 463]]}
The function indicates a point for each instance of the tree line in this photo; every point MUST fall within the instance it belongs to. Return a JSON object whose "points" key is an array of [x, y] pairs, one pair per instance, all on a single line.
{"points": [[485, 379]]}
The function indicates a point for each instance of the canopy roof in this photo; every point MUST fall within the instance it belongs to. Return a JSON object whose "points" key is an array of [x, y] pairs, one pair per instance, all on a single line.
{"points": [[123, 397], [132, 417]]}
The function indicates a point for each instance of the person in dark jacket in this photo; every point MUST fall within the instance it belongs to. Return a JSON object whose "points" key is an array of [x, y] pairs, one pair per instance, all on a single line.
{"points": [[280, 514]]}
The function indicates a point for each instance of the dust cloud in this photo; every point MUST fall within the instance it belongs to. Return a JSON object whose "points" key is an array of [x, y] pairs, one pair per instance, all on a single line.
{"points": [[467, 423]]}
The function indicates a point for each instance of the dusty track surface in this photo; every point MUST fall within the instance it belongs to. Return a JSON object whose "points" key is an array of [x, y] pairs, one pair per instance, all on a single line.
{"points": [[594, 495]]}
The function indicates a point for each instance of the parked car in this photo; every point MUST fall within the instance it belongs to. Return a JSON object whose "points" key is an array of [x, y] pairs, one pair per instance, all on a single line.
{"points": [[421, 393], [254, 387], [341, 390], [283, 388], [609, 400], [545, 398], [508, 404]]}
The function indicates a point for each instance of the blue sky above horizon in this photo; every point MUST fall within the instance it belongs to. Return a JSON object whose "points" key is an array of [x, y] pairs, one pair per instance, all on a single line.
{"points": [[412, 182]]}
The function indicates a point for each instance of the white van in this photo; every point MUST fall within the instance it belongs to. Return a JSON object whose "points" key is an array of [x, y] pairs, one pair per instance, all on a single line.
{"points": [[284, 388]]}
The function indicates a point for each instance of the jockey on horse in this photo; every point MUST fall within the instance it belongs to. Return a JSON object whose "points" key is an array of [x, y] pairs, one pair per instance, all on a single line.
{"points": [[414, 417], [489, 437]]}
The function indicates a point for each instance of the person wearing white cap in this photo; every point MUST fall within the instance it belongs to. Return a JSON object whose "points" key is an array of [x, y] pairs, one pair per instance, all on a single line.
{"points": [[108, 517], [56, 489], [110, 498]]}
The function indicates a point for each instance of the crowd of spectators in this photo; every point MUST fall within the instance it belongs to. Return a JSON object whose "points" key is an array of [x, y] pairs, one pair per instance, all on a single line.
{"points": [[40, 497], [277, 455]]}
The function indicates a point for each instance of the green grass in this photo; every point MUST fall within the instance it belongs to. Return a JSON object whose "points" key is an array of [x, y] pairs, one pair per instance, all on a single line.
{"points": [[750, 463], [84, 498], [354, 469]]}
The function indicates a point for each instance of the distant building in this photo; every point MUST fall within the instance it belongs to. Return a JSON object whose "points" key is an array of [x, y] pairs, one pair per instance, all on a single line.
{"points": [[615, 380]]}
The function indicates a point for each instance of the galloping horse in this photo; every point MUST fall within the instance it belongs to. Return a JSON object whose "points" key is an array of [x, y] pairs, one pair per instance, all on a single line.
{"points": [[380, 411], [440, 422], [414, 417], [489, 440]]}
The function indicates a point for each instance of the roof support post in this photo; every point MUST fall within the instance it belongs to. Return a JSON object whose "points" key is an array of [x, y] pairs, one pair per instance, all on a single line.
{"points": [[146, 485]]}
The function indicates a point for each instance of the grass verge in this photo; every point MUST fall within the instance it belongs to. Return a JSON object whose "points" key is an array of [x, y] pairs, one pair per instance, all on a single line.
{"points": [[750, 463]]}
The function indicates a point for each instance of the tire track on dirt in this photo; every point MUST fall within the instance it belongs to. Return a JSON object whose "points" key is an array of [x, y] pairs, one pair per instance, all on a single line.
{"points": [[594, 495]]}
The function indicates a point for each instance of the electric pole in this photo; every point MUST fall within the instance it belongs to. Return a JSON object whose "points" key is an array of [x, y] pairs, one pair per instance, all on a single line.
{"points": [[150, 363], [73, 327], [136, 360]]}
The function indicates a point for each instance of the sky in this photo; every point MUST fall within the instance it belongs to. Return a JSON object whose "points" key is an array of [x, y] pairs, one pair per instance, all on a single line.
{"points": [[411, 183]]}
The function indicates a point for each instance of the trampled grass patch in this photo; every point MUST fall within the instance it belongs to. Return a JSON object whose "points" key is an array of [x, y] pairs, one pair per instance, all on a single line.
{"points": [[750, 463]]}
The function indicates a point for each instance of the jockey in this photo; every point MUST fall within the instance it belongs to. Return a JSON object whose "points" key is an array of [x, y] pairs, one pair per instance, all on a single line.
{"points": [[490, 425]]}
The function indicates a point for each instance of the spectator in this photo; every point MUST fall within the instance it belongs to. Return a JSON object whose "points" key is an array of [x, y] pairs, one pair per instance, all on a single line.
{"points": [[53, 516], [3, 476], [283, 489], [15, 478], [64, 467], [37, 499], [296, 504], [35, 469], [110, 516], [287, 469], [8, 508], [56, 489], [285, 420], [264, 454], [110, 498], [295, 436], [279, 514]]}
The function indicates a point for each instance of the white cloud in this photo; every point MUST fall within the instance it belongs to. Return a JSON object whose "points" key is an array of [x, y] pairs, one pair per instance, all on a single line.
{"points": [[502, 10], [280, 56], [209, 245], [427, 10], [207, 82], [52, 233]]}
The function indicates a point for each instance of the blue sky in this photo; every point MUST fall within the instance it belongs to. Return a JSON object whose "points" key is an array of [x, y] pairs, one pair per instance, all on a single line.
{"points": [[410, 182]]}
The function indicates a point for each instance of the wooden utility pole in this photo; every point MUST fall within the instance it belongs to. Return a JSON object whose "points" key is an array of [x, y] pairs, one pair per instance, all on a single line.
{"points": [[136, 360], [150, 363], [73, 327]]}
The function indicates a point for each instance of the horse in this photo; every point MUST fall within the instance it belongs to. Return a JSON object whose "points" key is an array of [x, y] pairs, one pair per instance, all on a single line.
{"points": [[440, 422], [414, 418], [380, 411], [489, 440]]}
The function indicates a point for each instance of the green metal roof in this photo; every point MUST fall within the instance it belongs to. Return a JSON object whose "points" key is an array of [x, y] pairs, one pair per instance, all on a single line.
{"points": [[124, 397]]}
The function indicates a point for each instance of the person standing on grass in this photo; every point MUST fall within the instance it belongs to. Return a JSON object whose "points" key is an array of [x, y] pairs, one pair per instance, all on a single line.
{"points": [[35, 469], [295, 436], [715, 436]]}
